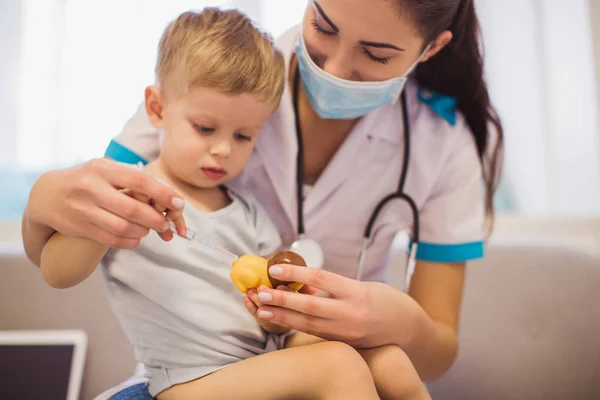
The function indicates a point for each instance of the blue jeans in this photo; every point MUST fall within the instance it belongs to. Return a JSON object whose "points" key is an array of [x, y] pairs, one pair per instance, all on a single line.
{"points": [[135, 392]]}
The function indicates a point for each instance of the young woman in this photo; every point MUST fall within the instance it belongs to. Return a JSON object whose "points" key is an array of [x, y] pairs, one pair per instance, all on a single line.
{"points": [[382, 97]]}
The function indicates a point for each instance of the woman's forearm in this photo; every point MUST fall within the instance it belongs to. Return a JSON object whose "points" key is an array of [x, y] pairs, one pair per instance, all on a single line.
{"points": [[432, 348], [431, 345]]}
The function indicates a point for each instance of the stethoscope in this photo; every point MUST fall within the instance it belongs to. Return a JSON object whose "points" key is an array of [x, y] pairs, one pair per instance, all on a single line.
{"points": [[312, 251]]}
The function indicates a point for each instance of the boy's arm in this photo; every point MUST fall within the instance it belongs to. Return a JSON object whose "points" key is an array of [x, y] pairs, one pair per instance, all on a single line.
{"points": [[67, 260], [35, 236]]}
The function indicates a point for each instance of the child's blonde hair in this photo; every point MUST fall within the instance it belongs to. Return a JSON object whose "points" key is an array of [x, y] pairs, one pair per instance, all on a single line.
{"points": [[222, 50]]}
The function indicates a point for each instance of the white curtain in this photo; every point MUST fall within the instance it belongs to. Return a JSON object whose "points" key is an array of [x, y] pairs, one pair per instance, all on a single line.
{"points": [[542, 76], [73, 71]]}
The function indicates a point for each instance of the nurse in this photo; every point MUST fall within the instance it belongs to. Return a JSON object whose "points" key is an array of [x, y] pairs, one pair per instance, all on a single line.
{"points": [[367, 81]]}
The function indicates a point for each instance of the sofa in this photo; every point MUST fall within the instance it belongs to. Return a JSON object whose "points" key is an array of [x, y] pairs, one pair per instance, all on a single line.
{"points": [[530, 323]]}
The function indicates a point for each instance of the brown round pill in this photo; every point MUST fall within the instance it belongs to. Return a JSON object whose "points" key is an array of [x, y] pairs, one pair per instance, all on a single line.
{"points": [[285, 257]]}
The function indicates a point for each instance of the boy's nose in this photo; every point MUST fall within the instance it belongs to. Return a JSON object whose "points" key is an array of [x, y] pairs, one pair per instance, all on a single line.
{"points": [[221, 149]]}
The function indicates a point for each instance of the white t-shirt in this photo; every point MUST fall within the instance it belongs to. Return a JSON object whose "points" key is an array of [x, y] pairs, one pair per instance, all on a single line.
{"points": [[444, 179], [176, 301]]}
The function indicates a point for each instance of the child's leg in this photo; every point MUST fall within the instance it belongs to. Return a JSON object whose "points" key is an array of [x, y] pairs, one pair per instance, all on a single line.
{"points": [[394, 374], [330, 370]]}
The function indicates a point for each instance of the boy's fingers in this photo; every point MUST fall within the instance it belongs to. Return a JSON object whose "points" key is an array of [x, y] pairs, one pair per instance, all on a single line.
{"points": [[177, 217], [157, 206], [174, 215], [138, 196], [307, 289], [252, 309], [253, 295], [167, 236]]}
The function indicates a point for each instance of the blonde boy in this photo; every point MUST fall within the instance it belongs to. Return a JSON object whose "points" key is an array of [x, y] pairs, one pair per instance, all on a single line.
{"points": [[219, 80]]}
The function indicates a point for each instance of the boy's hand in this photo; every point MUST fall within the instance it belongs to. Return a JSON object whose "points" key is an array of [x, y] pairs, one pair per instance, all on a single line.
{"points": [[252, 304]]}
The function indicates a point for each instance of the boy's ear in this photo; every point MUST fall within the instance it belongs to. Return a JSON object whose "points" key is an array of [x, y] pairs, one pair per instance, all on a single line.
{"points": [[154, 105]]}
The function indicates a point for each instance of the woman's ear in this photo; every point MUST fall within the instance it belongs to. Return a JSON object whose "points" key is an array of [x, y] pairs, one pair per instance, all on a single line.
{"points": [[437, 45], [154, 105]]}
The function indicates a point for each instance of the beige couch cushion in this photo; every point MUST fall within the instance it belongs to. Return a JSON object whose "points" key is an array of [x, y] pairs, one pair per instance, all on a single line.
{"points": [[530, 328], [530, 325]]}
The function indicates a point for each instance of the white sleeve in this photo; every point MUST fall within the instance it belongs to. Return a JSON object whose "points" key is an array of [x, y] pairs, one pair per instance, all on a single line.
{"points": [[138, 142], [452, 218]]}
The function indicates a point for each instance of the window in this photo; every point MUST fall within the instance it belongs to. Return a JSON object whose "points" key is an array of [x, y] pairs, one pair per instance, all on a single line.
{"points": [[542, 78], [76, 70], [73, 71]]}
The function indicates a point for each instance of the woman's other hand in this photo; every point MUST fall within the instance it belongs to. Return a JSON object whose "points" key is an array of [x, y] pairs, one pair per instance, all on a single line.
{"points": [[88, 201], [355, 312]]}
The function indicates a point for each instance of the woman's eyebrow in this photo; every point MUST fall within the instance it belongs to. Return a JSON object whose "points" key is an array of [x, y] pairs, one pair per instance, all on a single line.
{"points": [[380, 45], [325, 17], [362, 42]]}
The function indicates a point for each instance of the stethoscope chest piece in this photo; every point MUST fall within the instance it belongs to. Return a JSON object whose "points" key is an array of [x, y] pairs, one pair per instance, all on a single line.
{"points": [[310, 250]]}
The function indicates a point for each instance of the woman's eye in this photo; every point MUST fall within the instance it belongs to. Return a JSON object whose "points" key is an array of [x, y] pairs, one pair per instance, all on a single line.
{"points": [[321, 30], [381, 60]]}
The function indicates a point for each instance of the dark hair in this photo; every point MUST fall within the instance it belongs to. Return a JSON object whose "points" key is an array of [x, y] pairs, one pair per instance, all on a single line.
{"points": [[457, 71]]}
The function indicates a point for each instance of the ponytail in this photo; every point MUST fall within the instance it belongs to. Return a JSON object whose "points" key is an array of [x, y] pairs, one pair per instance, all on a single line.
{"points": [[457, 71]]}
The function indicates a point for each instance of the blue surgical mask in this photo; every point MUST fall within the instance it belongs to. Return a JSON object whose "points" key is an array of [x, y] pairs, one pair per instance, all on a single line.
{"points": [[335, 98]]}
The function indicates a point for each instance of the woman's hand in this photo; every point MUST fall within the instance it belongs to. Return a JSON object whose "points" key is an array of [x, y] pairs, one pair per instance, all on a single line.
{"points": [[87, 201], [252, 303], [363, 314]]}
